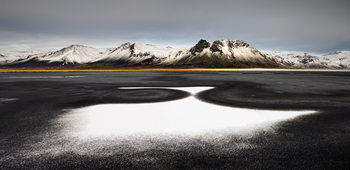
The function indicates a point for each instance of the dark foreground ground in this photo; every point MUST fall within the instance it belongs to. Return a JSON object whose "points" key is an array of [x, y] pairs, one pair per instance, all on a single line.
{"points": [[30, 102]]}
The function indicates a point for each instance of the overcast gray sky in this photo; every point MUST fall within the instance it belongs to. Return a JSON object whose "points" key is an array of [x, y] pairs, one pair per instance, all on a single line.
{"points": [[298, 25]]}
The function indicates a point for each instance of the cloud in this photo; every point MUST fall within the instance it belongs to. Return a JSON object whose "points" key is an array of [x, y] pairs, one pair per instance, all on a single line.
{"points": [[309, 25]]}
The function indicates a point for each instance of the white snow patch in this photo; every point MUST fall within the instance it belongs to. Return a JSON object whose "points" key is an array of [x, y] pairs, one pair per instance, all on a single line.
{"points": [[188, 117]]}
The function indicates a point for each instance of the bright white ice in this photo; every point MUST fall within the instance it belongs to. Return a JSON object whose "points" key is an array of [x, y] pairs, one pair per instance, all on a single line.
{"points": [[188, 116]]}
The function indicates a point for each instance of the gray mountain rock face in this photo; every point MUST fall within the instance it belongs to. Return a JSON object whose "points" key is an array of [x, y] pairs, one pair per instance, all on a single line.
{"points": [[202, 44]]}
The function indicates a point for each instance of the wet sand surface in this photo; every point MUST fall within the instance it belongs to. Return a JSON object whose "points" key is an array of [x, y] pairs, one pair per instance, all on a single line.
{"points": [[43, 119]]}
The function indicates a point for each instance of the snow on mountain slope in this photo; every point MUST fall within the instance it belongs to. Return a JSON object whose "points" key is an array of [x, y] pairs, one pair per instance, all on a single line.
{"points": [[11, 56], [3, 59], [335, 60], [220, 53], [135, 53], [340, 58], [74, 54], [225, 53]]}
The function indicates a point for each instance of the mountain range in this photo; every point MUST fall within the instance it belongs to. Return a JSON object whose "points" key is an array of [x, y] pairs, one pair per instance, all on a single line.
{"points": [[220, 53]]}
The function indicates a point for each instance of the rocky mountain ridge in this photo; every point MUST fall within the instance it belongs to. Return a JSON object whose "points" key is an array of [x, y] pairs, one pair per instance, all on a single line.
{"points": [[219, 53]]}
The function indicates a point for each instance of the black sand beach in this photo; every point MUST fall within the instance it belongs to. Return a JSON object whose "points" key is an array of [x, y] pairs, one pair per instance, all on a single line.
{"points": [[30, 136]]}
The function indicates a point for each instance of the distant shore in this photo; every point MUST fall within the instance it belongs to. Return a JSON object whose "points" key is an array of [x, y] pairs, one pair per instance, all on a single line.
{"points": [[135, 69]]}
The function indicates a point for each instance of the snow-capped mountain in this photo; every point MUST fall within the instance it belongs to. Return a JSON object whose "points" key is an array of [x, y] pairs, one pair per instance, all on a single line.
{"points": [[220, 53], [3, 59], [136, 53], [7, 57], [225, 53], [334, 60], [340, 58], [74, 54]]}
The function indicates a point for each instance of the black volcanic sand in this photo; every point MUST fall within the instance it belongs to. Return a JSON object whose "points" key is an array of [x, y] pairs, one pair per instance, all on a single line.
{"points": [[30, 102]]}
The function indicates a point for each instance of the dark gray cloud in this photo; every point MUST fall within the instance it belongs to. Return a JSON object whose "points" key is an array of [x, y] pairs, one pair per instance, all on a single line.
{"points": [[308, 25]]}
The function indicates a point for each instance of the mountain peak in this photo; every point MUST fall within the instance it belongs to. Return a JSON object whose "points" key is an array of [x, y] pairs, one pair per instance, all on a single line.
{"points": [[339, 52], [237, 43], [335, 52], [218, 45], [75, 46], [202, 44], [127, 44], [71, 48]]}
